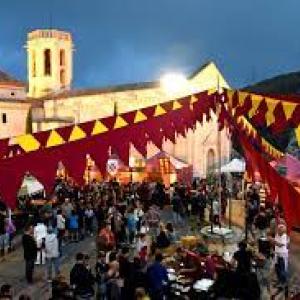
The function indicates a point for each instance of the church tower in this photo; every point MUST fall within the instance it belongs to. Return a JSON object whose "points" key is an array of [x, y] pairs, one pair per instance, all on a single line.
{"points": [[49, 62]]}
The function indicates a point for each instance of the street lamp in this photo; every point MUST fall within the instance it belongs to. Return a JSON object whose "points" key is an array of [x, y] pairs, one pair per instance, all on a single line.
{"points": [[173, 83]]}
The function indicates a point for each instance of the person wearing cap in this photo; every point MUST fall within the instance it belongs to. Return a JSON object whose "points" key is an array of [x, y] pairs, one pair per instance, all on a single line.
{"points": [[52, 253]]}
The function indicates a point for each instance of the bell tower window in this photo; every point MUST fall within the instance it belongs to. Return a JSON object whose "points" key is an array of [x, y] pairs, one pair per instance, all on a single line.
{"points": [[62, 78], [47, 61], [33, 64], [62, 57]]}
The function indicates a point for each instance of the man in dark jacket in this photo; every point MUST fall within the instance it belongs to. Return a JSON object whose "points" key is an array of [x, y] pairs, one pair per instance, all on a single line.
{"points": [[30, 252], [82, 279]]}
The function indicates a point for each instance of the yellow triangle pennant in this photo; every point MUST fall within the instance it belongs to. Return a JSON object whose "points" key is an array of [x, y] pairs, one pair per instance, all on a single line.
{"points": [[54, 139], [99, 128], [28, 143], [230, 95], [271, 104], [120, 122], [159, 111], [139, 117], [211, 91], [77, 134], [176, 105], [297, 132], [193, 99], [242, 97], [256, 100], [288, 108]]}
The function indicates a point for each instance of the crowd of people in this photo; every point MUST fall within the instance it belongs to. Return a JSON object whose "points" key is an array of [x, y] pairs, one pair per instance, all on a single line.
{"points": [[132, 241]]}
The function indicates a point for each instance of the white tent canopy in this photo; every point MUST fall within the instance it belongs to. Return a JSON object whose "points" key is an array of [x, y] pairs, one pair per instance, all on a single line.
{"points": [[234, 166], [30, 186]]}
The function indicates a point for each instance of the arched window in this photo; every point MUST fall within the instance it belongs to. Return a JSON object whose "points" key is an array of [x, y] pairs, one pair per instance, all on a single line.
{"points": [[33, 64], [210, 159], [62, 78], [47, 61], [62, 57]]}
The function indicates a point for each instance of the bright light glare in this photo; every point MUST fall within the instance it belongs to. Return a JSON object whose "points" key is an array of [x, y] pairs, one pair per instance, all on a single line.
{"points": [[173, 83]]}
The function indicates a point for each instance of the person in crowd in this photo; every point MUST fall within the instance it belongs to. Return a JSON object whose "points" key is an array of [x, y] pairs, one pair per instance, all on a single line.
{"points": [[101, 269], [89, 218], [261, 222], [10, 229], [67, 208], [106, 238], [170, 232], [80, 212], [40, 232], [281, 243], [81, 279], [139, 213], [74, 226], [6, 292], [158, 278], [162, 240], [114, 283], [30, 252], [243, 258], [177, 206], [152, 219], [125, 269], [189, 262], [52, 253], [131, 221], [61, 228], [3, 236], [61, 289], [140, 294]]}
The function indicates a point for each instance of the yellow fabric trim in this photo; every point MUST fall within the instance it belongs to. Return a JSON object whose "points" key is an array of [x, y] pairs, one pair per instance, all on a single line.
{"points": [[99, 128], [54, 139], [139, 117], [159, 111], [256, 100], [120, 122], [77, 134], [288, 108], [28, 143], [271, 104], [297, 132]]}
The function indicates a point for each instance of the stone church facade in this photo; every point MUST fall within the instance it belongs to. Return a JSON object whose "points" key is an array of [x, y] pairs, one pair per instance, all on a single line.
{"points": [[51, 102]]}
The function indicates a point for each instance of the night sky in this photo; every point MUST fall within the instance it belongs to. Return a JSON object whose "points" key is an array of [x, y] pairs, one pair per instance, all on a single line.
{"points": [[123, 41]]}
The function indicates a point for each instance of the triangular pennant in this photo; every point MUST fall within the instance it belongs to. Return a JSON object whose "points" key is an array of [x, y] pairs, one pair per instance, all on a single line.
{"points": [[139, 117], [241, 97], [256, 100], [271, 104], [77, 134], [297, 133], [65, 132], [99, 128], [28, 143], [42, 137], [120, 122], [159, 111], [288, 108], [54, 139], [194, 99], [87, 127]]}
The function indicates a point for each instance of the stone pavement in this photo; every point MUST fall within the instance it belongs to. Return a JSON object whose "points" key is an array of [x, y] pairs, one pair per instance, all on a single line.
{"points": [[13, 266]]}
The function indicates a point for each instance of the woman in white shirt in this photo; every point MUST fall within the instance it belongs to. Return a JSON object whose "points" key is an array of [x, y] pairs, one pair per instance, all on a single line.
{"points": [[281, 242]]}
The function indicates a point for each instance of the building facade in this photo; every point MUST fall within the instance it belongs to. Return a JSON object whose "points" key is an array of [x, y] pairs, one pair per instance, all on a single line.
{"points": [[53, 103]]}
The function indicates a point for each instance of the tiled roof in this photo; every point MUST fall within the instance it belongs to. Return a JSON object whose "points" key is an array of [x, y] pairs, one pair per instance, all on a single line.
{"points": [[113, 89], [7, 79]]}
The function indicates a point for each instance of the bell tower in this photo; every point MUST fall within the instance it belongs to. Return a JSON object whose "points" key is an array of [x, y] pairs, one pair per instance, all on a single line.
{"points": [[49, 62]]}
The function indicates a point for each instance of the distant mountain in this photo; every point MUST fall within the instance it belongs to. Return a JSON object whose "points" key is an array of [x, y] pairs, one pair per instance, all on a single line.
{"points": [[285, 84]]}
